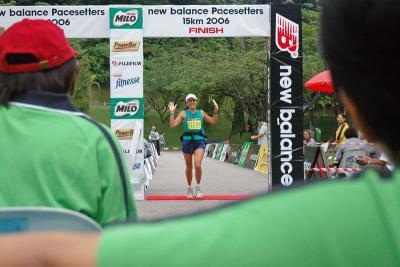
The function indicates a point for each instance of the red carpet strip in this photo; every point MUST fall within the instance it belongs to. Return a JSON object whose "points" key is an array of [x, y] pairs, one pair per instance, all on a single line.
{"points": [[207, 197]]}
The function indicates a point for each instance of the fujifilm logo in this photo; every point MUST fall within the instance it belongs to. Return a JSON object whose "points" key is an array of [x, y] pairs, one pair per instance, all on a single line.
{"points": [[126, 108], [117, 63], [124, 82], [285, 125], [129, 17], [287, 35]]}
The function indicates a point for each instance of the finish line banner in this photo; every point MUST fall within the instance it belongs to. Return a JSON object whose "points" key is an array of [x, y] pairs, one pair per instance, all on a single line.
{"points": [[158, 21], [206, 21]]}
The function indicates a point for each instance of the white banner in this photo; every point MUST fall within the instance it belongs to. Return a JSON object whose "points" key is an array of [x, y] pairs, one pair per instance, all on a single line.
{"points": [[206, 21], [158, 21], [77, 21]]}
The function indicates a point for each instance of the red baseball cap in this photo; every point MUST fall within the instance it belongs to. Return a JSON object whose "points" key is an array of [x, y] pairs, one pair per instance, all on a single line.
{"points": [[33, 45]]}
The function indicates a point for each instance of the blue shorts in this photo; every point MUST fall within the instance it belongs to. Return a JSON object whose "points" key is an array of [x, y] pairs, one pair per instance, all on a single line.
{"points": [[187, 145]]}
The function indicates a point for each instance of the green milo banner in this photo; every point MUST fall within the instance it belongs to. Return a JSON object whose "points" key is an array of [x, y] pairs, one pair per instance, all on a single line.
{"points": [[126, 108], [243, 155], [252, 157], [126, 18]]}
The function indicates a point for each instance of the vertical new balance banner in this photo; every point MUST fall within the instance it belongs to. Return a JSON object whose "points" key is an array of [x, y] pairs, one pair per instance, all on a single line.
{"points": [[286, 95]]}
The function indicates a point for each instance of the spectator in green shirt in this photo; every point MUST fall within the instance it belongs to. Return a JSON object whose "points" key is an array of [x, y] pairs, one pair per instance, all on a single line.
{"points": [[51, 154]]}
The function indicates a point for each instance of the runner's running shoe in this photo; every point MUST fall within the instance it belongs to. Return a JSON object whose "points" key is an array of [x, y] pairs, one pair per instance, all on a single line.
{"points": [[189, 192], [199, 194]]}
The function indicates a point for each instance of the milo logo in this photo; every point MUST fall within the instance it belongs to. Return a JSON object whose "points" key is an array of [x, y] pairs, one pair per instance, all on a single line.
{"points": [[129, 17], [126, 108]]}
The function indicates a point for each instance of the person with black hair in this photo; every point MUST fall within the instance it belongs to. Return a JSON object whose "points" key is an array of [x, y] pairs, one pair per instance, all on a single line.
{"points": [[51, 153], [352, 222], [193, 138]]}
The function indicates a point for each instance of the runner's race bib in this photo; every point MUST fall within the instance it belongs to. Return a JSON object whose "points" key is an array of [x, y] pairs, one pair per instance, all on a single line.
{"points": [[194, 124]]}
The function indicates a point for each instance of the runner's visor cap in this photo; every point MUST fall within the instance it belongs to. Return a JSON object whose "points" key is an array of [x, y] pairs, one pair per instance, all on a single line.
{"points": [[33, 45], [189, 96]]}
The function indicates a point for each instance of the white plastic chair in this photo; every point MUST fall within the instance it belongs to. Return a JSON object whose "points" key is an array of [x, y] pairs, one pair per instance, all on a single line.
{"points": [[39, 219], [147, 169]]}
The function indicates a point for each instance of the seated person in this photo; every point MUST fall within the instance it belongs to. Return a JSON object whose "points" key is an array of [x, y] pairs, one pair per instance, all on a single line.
{"points": [[350, 143]]}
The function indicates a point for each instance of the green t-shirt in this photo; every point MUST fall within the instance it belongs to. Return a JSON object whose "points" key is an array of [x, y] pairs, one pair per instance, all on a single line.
{"points": [[333, 223], [51, 155]]}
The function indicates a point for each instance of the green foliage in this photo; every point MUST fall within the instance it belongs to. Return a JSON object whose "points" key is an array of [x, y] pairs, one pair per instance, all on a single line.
{"points": [[313, 64], [98, 51], [8, 2], [82, 85], [230, 70]]}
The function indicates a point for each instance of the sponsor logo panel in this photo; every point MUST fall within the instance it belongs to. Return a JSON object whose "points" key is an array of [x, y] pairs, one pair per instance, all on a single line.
{"points": [[124, 134], [126, 18], [125, 46], [126, 63], [121, 82], [127, 108]]}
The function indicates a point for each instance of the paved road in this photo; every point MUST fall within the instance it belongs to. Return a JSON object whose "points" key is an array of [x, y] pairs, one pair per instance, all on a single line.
{"points": [[219, 178]]}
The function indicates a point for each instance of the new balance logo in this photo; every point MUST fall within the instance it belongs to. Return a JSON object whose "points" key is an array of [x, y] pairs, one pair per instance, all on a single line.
{"points": [[287, 35]]}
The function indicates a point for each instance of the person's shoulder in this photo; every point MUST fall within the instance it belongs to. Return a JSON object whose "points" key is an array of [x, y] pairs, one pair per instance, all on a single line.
{"points": [[93, 129]]}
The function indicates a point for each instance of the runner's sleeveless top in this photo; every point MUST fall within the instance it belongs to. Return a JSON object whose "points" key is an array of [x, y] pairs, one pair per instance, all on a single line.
{"points": [[193, 124]]}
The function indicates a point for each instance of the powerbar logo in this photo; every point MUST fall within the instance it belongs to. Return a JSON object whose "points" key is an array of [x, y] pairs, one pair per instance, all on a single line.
{"points": [[285, 125], [129, 17], [287, 35], [126, 108], [125, 46], [124, 82], [124, 134]]}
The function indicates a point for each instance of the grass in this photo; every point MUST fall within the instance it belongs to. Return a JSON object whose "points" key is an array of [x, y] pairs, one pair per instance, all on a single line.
{"points": [[100, 106]]}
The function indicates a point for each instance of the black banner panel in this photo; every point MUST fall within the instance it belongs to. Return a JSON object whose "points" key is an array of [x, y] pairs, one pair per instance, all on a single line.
{"points": [[286, 95]]}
